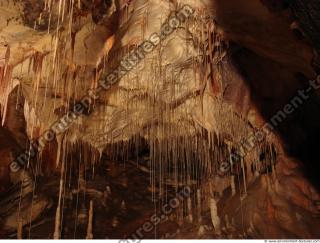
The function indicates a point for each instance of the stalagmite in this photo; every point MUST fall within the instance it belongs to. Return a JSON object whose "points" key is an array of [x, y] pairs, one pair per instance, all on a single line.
{"points": [[233, 222], [115, 222], [256, 171], [108, 190], [227, 223], [244, 178], [89, 229], [82, 181], [214, 216], [273, 159], [251, 227], [56, 234], [189, 205], [264, 182], [199, 205], [20, 229], [123, 206], [201, 231], [233, 186], [180, 216], [83, 214]]}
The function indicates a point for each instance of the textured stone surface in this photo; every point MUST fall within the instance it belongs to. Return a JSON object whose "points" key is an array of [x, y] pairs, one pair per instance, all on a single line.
{"points": [[225, 76]]}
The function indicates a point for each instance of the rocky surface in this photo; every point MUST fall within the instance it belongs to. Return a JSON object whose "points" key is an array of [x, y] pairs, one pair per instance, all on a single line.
{"points": [[218, 78]]}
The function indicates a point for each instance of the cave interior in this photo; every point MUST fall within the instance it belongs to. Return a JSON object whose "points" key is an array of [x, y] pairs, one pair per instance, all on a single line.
{"points": [[159, 119]]}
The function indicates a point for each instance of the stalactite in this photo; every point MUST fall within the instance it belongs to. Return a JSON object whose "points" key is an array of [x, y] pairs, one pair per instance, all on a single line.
{"points": [[175, 160], [6, 86], [57, 228], [60, 142]]}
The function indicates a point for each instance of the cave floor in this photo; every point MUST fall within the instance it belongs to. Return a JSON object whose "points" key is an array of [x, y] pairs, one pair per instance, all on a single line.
{"points": [[119, 212]]}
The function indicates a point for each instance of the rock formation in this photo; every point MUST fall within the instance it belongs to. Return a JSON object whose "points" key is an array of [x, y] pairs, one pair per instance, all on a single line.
{"points": [[220, 96]]}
